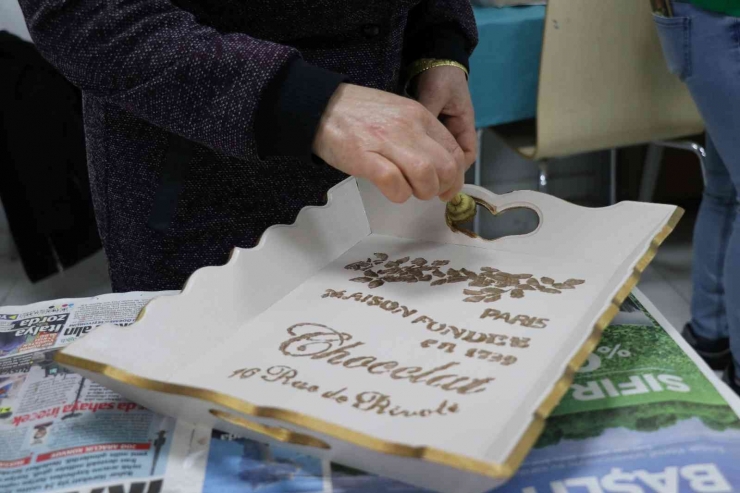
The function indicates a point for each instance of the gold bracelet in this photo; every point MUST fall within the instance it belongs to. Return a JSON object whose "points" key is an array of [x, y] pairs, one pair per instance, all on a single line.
{"points": [[424, 64]]}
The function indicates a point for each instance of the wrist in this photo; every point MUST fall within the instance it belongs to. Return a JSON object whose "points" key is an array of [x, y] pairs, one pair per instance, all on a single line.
{"points": [[324, 128], [291, 108], [424, 64]]}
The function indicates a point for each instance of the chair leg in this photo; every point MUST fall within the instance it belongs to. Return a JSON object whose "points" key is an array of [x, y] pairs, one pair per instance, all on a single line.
{"points": [[612, 176], [477, 174], [687, 145], [542, 184], [654, 157], [650, 172]]}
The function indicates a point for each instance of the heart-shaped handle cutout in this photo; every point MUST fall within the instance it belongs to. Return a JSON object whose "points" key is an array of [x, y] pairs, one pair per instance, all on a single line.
{"points": [[495, 224]]}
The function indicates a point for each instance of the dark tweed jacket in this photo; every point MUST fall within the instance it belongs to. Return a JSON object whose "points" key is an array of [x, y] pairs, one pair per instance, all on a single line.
{"points": [[199, 114]]}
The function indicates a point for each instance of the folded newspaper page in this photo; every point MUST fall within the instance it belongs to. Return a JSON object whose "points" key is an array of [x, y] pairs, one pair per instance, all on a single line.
{"points": [[643, 415], [62, 432]]}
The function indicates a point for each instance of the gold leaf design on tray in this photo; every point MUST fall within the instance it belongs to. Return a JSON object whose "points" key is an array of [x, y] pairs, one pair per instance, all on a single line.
{"points": [[492, 283]]}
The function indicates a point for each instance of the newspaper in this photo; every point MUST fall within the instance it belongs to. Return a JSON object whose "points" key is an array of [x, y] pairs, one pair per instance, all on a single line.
{"points": [[62, 432], [642, 415]]}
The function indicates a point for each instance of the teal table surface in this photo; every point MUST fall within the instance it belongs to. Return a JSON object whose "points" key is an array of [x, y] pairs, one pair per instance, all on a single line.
{"points": [[504, 68]]}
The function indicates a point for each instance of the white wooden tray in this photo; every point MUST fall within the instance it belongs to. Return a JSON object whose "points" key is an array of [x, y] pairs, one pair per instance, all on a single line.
{"points": [[374, 335]]}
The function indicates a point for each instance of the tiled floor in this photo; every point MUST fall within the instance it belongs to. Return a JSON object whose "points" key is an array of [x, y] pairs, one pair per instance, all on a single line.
{"points": [[88, 278], [667, 280]]}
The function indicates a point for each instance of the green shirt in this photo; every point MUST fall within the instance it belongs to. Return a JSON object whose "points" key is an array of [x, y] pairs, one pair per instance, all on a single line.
{"points": [[729, 7]]}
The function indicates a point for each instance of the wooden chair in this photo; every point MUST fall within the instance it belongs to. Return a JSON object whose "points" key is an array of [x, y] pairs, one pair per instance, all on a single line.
{"points": [[603, 84]]}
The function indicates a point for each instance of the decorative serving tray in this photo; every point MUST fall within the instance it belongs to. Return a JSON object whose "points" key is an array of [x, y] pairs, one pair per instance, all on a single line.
{"points": [[381, 337]]}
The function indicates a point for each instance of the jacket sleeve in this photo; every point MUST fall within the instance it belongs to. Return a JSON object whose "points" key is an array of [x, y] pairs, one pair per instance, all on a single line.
{"points": [[239, 95], [443, 29]]}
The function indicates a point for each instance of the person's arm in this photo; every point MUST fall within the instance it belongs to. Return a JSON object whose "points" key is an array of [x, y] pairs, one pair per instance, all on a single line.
{"points": [[242, 96], [441, 29], [233, 93]]}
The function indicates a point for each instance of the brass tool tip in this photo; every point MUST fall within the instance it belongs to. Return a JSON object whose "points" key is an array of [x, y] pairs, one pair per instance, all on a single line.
{"points": [[461, 208]]}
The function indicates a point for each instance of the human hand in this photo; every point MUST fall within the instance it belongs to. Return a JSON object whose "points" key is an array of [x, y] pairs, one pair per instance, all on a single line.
{"points": [[444, 92], [392, 141]]}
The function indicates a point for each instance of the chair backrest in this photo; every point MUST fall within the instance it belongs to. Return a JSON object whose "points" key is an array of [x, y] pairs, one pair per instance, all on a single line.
{"points": [[604, 82]]}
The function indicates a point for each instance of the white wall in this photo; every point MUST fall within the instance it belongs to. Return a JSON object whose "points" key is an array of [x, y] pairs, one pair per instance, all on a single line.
{"points": [[11, 19]]}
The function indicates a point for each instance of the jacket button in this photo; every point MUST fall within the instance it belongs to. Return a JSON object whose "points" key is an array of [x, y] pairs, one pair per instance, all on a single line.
{"points": [[371, 30]]}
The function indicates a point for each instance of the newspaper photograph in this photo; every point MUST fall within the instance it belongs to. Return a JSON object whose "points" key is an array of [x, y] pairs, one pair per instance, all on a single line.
{"points": [[61, 432]]}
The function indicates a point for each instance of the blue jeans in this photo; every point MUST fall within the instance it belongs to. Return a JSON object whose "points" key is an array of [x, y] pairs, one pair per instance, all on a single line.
{"points": [[703, 49]]}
